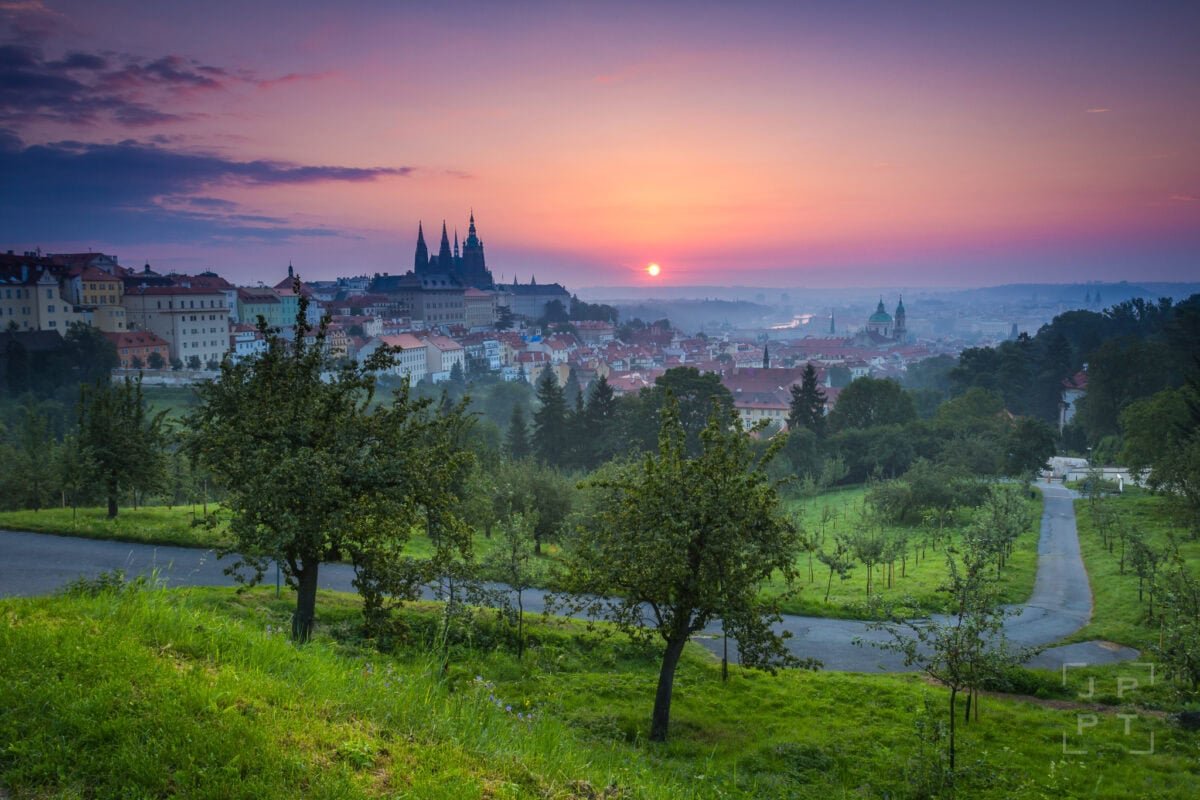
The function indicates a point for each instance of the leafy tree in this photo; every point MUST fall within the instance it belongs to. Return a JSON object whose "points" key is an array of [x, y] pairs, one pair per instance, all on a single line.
{"points": [[124, 439], [136, 363], [32, 461], [692, 391], [1179, 641], [868, 402], [512, 562], [684, 540], [516, 441], [193, 362], [550, 439], [965, 649], [315, 470], [155, 360], [1030, 444], [540, 492], [808, 403], [74, 468], [840, 561]]}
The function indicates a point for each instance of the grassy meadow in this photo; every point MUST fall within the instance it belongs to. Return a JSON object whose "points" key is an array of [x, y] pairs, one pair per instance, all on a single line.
{"points": [[1118, 615], [914, 580], [197, 693]]}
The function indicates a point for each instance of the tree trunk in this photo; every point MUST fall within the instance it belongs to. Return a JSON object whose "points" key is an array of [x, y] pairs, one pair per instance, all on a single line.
{"points": [[306, 602], [666, 682], [112, 506], [953, 697], [520, 625]]}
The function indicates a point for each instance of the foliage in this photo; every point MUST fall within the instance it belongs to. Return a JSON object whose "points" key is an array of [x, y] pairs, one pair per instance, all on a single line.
{"points": [[550, 439], [314, 471], [123, 438], [691, 538], [870, 402], [808, 403]]}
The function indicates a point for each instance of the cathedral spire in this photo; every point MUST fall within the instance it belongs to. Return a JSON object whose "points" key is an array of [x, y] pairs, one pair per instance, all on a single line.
{"points": [[445, 258], [421, 259], [456, 242]]}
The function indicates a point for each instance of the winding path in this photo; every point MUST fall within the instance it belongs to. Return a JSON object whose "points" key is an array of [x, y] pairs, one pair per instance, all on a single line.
{"points": [[36, 563]]}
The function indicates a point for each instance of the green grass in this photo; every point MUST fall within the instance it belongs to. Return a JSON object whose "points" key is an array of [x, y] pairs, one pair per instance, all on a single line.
{"points": [[194, 693], [148, 524], [1117, 614], [917, 580]]}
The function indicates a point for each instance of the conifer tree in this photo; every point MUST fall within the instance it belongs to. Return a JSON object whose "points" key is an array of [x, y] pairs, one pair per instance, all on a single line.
{"points": [[550, 420], [517, 439], [808, 403]]}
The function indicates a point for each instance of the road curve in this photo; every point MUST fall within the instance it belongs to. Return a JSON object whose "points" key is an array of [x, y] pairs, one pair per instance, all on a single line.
{"points": [[37, 563]]}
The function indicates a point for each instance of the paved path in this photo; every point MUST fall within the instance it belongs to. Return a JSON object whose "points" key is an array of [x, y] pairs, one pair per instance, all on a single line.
{"points": [[34, 563]]}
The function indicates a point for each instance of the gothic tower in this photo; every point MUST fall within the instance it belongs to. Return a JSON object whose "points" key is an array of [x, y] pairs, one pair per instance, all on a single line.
{"points": [[900, 331], [474, 267], [421, 259], [445, 260]]}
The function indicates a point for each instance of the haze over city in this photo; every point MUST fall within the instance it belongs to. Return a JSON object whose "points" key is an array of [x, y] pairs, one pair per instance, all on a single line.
{"points": [[769, 144]]}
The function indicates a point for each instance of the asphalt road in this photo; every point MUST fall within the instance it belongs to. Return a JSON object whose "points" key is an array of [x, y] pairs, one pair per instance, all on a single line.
{"points": [[34, 564]]}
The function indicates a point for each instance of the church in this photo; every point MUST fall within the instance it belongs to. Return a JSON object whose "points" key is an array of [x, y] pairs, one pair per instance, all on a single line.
{"points": [[883, 328], [467, 267]]}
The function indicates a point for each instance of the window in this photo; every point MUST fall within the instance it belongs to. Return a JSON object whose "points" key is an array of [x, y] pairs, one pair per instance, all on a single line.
{"points": [[52, 324], [49, 294]]}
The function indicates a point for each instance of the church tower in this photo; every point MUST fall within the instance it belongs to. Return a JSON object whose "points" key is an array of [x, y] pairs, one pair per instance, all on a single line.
{"points": [[445, 260], [474, 267], [421, 259], [900, 331]]}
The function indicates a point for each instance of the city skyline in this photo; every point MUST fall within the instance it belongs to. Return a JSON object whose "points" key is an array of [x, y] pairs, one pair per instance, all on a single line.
{"points": [[770, 144]]}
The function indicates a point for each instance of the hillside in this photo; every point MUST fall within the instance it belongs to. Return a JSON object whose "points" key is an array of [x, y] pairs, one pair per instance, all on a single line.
{"points": [[198, 693]]}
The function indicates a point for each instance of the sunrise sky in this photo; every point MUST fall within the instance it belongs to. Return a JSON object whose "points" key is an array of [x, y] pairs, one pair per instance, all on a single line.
{"points": [[782, 144]]}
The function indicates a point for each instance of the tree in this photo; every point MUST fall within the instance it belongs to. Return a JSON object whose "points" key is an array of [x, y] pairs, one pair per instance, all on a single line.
{"points": [[808, 403], [456, 373], [966, 648], [33, 459], [1030, 443], [193, 362], [155, 360], [692, 391], [1179, 641], [511, 561], [868, 402], [136, 363], [684, 540], [600, 437], [124, 439], [75, 469], [550, 440], [316, 471], [516, 441]]}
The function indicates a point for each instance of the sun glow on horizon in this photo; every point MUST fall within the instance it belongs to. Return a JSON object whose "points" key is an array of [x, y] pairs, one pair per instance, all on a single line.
{"points": [[653, 270]]}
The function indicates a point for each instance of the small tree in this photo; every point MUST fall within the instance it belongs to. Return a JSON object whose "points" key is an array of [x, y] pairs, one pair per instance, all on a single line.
{"points": [[136, 363], [1179, 642], [155, 360], [967, 648], [512, 562], [839, 560], [193, 362], [75, 469], [683, 540], [124, 439]]}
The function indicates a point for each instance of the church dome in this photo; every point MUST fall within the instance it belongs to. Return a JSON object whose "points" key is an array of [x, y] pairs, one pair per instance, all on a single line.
{"points": [[880, 316]]}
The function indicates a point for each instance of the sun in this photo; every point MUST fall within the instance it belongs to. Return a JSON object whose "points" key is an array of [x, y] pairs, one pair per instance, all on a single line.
{"points": [[653, 270]]}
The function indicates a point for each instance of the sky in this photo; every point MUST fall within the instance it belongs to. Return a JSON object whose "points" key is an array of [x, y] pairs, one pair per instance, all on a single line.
{"points": [[770, 144]]}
